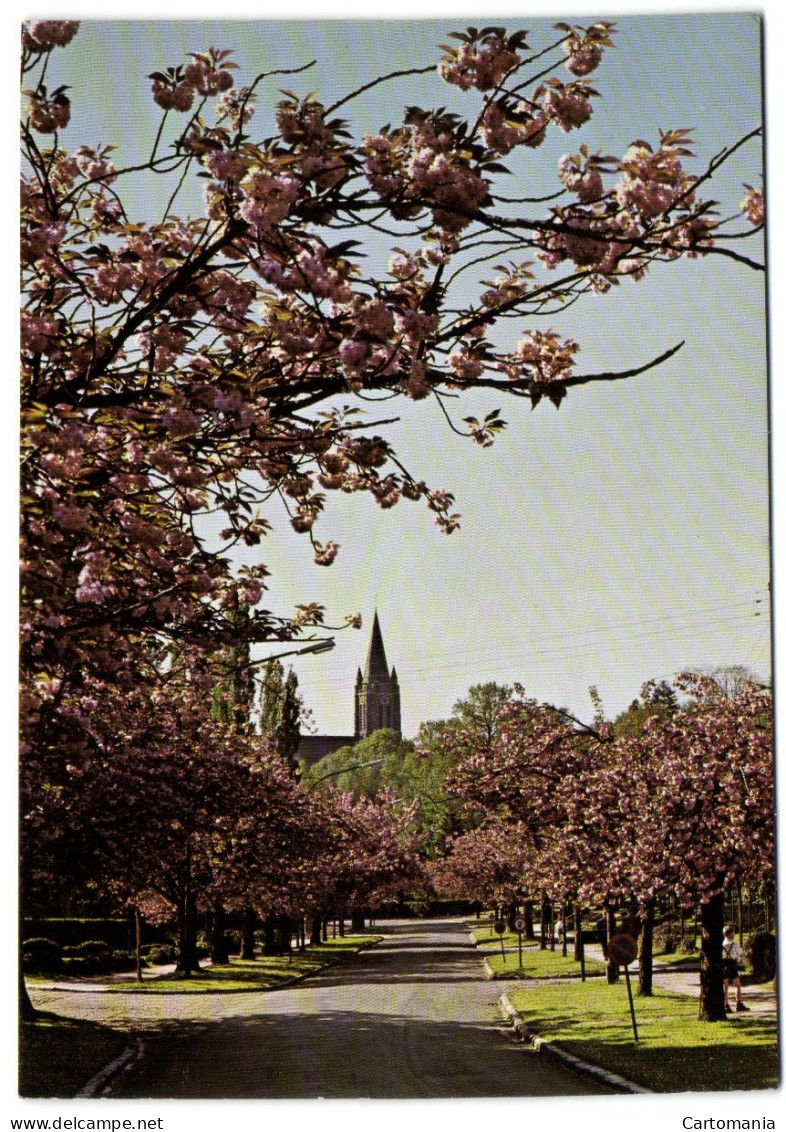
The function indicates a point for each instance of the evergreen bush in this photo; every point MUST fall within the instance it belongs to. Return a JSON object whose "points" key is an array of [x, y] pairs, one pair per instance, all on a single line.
{"points": [[41, 956], [760, 952]]}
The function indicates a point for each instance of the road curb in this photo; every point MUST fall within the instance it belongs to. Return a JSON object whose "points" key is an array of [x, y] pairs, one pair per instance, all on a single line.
{"points": [[540, 1044], [99, 1085]]}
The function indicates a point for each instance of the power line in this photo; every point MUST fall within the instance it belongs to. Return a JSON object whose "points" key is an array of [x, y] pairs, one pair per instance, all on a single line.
{"points": [[611, 640]]}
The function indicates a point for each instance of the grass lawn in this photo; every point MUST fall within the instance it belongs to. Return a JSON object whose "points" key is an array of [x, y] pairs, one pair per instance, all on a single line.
{"points": [[675, 1052], [536, 964], [57, 1056], [677, 958], [239, 975]]}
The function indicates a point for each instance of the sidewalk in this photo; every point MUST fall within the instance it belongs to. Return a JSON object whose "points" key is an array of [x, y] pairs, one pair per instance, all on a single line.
{"points": [[107, 984]]}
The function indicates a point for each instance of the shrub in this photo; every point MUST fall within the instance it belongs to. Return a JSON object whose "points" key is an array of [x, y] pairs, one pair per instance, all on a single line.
{"points": [[41, 956], [123, 961], [664, 939], [77, 966], [91, 947], [161, 953], [760, 954], [69, 932]]}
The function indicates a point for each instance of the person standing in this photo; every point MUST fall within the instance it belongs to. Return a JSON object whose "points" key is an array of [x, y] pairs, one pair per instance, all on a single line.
{"points": [[732, 957]]}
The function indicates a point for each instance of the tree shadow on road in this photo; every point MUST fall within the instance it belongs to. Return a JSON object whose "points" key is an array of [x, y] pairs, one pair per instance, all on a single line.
{"points": [[349, 1054]]}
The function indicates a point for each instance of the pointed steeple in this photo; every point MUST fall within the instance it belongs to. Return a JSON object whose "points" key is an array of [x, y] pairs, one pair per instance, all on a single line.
{"points": [[377, 696], [376, 662]]}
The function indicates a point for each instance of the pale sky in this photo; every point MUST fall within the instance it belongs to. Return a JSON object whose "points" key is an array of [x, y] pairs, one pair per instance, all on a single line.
{"points": [[622, 538]]}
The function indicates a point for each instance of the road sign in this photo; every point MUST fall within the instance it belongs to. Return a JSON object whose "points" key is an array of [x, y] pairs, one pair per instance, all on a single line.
{"points": [[622, 949], [499, 927], [519, 924]]}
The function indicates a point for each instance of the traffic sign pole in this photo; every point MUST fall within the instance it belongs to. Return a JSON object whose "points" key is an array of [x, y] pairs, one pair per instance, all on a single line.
{"points": [[499, 928], [622, 950], [630, 1000], [519, 926]]}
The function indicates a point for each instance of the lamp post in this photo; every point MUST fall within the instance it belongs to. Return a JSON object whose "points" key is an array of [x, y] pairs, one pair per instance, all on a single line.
{"points": [[325, 644]]}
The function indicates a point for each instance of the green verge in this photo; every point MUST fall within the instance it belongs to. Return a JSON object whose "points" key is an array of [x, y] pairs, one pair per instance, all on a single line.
{"points": [[675, 1052], [238, 975], [535, 963]]}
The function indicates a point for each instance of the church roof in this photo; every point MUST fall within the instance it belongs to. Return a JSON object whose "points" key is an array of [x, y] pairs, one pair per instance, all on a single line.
{"points": [[376, 662]]}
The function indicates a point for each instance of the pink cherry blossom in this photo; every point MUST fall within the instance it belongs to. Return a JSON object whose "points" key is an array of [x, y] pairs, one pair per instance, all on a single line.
{"points": [[753, 206], [43, 35], [569, 106]]}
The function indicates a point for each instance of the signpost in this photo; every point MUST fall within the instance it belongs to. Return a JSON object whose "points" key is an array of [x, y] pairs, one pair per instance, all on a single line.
{"points": [[622, 950], [519, 925]]}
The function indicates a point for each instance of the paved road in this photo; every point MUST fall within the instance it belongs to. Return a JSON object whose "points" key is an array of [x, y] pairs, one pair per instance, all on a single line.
{"points": [[411, 1017]]}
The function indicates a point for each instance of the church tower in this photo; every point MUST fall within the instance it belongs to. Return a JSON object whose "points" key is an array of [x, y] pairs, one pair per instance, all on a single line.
{"points": [[377, 698]]}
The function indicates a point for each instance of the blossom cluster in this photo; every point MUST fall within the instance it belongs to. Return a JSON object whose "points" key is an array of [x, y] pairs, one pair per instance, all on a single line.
{"points": [[480, 63], [584, 47], [753, 206], [207, 74], [42, 35], [420, 167], [542, 357]]}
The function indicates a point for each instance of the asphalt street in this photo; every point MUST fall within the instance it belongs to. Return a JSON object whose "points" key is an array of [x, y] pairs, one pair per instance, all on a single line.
{"points": [[411, 1017]]}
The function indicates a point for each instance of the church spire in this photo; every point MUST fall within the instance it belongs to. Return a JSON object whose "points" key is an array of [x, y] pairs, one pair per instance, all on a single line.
{"points": [[376, 662], [377, 696]]}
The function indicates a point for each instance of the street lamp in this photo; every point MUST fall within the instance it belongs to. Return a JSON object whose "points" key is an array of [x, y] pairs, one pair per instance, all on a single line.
{"points": [[323, 645]]}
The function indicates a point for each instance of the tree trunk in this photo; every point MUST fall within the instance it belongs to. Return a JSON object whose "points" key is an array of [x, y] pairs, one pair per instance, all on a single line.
{"points": [[545, 920], [269, 943], [766, 891], [529, 926], [578, 944], [219, 946], [358, 922], [512, 914], [187, 958], [647, 914], [27, 1012], [612, 970], [247, 942], [712, 1004], [316, 931], [138, 943]]}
